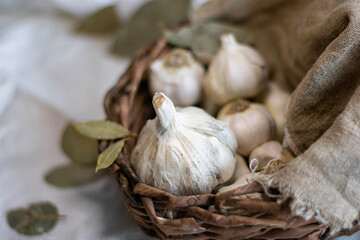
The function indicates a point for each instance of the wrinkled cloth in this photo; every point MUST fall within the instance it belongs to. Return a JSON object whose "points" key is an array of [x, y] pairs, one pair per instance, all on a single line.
{"points": [[313, 48]]}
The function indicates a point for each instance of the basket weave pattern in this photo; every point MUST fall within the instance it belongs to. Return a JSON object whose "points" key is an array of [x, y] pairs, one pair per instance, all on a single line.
{"points": [[166, 216]]}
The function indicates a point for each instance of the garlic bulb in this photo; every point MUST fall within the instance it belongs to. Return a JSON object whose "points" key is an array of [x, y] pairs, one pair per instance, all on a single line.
{"points": [[209, 106], [179, 76], [184, 151], [272, 151], [236, 71], [261, 155], [275, 101], [251, 122]]}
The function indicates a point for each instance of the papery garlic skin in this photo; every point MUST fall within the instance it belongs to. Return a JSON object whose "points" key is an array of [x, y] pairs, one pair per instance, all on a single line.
{"points": [[179, 76], [237, 71], [184, 151], [275, 101], [251, 122]]}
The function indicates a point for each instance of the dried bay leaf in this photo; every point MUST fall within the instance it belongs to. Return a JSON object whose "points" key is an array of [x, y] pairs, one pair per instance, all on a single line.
{"points": [[108, 157], [146, 25], [107, 130], [204, 38], [71, 175], [101, 22], [128, 41], [79, 148], [39, 218]]}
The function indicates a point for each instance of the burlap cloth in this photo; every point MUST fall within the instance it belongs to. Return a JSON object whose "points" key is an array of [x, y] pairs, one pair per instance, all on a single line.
{"points": [[313, 48]]}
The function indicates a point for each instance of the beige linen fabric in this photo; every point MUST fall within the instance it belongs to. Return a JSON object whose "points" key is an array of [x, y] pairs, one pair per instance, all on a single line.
{"points": [[312, 46]]}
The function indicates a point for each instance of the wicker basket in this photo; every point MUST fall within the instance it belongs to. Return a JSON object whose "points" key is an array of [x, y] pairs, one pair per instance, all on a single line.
{"points": [[207, 216]]}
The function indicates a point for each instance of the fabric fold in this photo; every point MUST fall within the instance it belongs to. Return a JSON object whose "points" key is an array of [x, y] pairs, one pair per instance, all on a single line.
{"points": [[328, 85], [324, 181]]}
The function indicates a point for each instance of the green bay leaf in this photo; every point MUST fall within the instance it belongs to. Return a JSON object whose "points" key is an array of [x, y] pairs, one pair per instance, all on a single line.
{"points": [[39, 218], [79, 148], [147, 24], [107, 130], [204, 38], [108, 157], [101, 22], [72, 175]]}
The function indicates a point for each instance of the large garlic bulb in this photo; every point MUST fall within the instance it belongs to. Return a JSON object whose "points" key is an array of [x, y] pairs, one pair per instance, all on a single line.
{"points": [[275, 101], [251, 122], [236, 71], [184, 151], [179, 76]]}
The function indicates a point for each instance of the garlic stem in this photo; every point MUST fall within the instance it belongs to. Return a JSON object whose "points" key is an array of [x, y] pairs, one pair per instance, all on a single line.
{"points": [[228, 42], [164, 109]]}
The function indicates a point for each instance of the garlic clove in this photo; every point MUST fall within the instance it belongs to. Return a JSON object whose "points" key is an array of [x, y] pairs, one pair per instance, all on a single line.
{"points": [[236, 71], [277, 163], [275, 100], [184, 151], [251, 122], [179, 76], [261, 155], [270, 156]]}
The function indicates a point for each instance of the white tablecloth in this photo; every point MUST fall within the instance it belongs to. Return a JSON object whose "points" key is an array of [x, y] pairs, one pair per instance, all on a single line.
{"points": [[50, 75]]}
